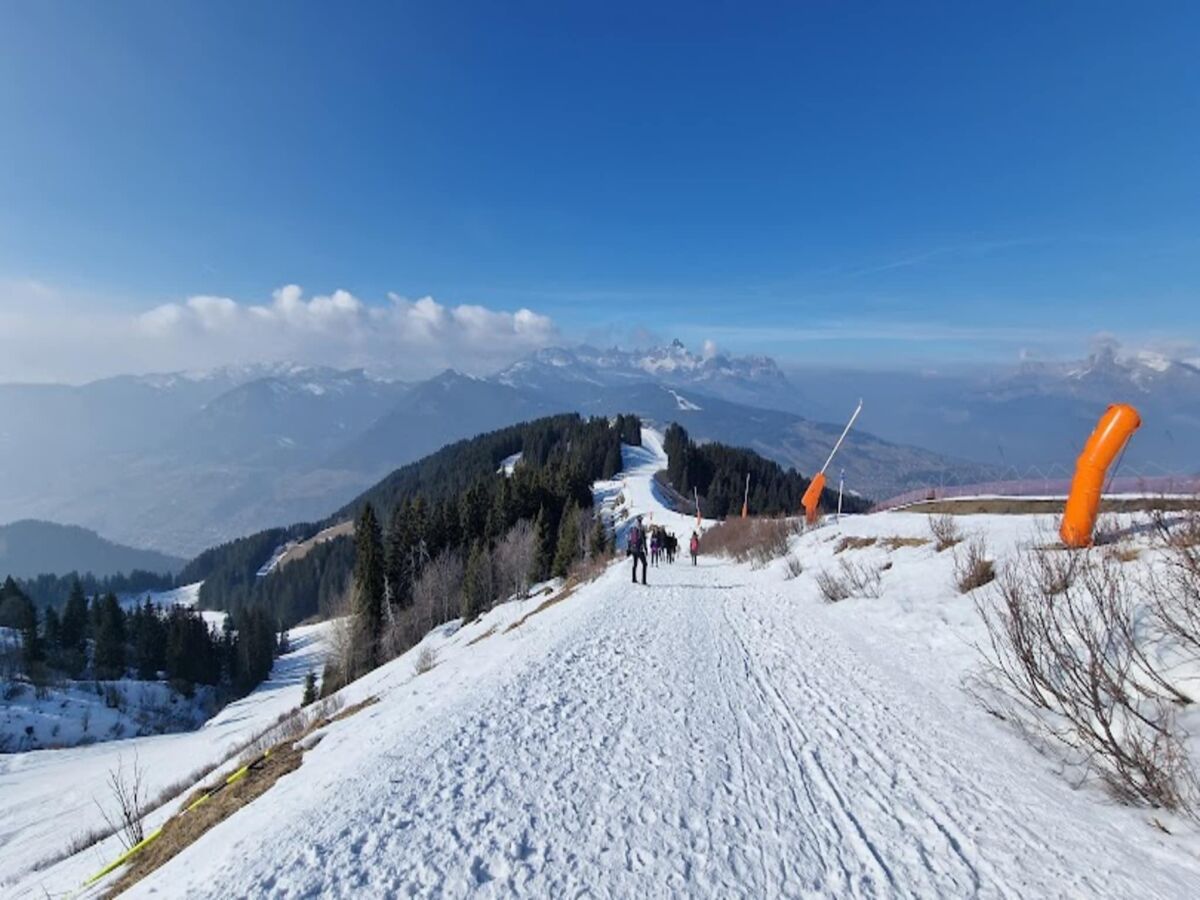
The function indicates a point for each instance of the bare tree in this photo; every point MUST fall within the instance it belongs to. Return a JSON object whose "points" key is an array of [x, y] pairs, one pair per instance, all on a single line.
{"points": [[437, 591], [128, 792], [513, 559]]}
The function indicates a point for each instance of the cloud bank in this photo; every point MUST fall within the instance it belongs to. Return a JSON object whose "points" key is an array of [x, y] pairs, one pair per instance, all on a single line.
{"points": [[45, 337]]}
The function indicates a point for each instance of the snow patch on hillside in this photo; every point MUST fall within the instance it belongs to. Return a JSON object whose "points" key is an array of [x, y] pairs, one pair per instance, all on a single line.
{"points": [[508, 464]]}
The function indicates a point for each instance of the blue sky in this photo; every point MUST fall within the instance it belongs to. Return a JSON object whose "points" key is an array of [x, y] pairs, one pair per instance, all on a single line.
{"points": [[922, 183]]}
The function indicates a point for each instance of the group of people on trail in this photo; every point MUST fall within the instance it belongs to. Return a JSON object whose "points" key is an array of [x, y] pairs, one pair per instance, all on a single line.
{"points": [[662, 544]]}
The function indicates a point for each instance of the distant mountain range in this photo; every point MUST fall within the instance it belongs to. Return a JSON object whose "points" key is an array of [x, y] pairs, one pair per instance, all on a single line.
{"points": [[560, 372], [29, 548], [1034, 417], [181, 461]]}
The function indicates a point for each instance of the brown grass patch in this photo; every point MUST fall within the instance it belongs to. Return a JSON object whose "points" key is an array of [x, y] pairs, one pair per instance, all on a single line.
{"points": [[568, 589], [755, 540], [484, 636], [1124, 553], [854, 543], [895, 542]]}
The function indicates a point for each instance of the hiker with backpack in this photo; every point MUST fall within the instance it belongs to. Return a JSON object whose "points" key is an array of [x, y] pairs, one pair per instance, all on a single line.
{"points": [[635, 546], [694, 546]]}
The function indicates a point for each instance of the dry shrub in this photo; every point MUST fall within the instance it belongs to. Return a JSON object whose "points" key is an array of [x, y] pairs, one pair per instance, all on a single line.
{"points": [[757, 541], [850, 542], [832, 588], [945, 532], [1067, 663], [853, 580], [972, 568], [1174, 590], [792, 567]]}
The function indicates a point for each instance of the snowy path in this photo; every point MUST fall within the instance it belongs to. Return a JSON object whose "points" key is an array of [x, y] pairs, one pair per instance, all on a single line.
{"points": [[704, 736]]}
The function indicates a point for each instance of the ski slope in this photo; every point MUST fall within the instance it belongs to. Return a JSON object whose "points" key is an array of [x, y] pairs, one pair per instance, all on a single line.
{"points": [[717, 733]]}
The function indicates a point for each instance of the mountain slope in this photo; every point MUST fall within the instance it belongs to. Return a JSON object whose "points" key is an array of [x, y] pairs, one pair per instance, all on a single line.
{"points": [[437, 412], [30, 547]]}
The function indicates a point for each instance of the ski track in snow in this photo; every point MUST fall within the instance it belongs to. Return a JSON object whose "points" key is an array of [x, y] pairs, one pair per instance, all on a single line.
{"points": [[706, 736]]}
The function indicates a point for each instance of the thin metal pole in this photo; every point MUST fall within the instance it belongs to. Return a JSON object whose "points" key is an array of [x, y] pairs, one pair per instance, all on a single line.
{"points": [[845, 432]]}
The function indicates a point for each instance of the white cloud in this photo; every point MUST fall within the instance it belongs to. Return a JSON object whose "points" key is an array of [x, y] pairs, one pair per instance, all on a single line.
{"points": [[61, 340]]}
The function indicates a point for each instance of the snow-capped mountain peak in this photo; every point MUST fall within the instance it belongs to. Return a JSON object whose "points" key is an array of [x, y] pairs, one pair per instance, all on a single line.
{"points": [[747, 379]]}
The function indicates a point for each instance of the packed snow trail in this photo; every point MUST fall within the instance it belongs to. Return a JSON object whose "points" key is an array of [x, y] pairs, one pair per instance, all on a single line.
{"points": [[699, 736]]}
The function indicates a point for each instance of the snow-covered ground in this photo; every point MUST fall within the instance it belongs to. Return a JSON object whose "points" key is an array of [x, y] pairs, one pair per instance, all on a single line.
{"points": [[48, 797], [84, 712], [720, 732]]}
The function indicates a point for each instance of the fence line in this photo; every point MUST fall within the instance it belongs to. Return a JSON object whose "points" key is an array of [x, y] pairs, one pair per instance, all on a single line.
{"points": [[1035, 487]]}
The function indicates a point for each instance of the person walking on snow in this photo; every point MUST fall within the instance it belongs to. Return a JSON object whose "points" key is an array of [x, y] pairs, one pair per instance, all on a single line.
{"points": [[694, 546], [636, 547]]}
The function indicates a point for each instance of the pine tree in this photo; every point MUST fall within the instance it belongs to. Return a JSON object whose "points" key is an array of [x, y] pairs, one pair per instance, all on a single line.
{"points": [[25, 619], [310, 689], [543, 554], [52, 634], [368, 589], [73, 633], [477, 583], [568, 542], [148, 637], [598, 543], [612, 460], [109, 661]]}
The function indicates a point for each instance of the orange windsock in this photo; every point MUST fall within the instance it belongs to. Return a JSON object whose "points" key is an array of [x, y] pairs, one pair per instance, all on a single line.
{"points": [[812, 498], [1113, 431]]}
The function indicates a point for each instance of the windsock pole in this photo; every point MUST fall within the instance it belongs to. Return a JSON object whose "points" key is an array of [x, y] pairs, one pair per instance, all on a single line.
{"points": [[812, 496], [746, 498]]}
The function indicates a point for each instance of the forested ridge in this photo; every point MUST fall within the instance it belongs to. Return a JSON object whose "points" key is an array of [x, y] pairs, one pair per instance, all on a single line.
{"points": [[718, 473], [454, 500], [97, 638]]}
